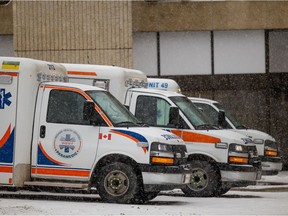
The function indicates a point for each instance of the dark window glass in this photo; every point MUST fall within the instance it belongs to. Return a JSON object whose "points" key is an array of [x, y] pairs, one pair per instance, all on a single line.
{"points": [[209, 111], [66, 107], [152, 111]]}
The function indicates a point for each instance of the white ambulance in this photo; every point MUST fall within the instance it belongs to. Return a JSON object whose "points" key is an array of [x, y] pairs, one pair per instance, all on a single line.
{"points": [[69, 135], [267, 146], [220, 159]]}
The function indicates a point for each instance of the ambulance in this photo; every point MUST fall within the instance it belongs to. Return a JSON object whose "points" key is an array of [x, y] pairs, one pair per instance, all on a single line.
{"points": [[59, 134], [219, 159], [267, 146]]}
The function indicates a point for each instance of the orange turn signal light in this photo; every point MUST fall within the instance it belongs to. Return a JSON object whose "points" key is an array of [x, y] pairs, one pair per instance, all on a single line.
{"points": [[238, 160], [162, 160], [271, 153]]}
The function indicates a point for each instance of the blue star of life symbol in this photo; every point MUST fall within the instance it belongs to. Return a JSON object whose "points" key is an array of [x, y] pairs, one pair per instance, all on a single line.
{"points": [[67, 147], [4, 98]]}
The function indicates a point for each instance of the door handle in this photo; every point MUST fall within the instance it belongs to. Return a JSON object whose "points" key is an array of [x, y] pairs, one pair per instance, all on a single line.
{"points": [[42, 131]]}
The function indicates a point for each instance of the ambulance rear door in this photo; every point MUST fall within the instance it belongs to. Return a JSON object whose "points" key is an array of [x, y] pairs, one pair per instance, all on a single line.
{"points": [[8, 104]]}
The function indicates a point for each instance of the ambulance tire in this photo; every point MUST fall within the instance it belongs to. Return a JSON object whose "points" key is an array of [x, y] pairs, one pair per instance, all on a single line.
{"points": [[205, 180], [118, 183], [222, 190], [147, 196]]}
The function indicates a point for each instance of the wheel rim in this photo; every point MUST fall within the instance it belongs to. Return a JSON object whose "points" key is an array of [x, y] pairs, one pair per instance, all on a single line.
{"points": [[116, 183], [199, 180]]}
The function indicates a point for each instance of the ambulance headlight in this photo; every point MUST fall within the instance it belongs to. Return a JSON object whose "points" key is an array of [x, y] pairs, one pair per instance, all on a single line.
{"points": [[161, 154], [237, 148], [161, 147], [238, 154]]}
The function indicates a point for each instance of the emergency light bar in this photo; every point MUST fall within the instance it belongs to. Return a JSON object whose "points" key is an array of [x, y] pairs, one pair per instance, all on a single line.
{"points": [[51, 78], [136, 83]]}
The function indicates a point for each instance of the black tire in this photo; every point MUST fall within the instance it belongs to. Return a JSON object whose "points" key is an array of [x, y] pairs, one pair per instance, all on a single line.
{"points": [[205, 180], [118, 183], [222, 190], [147, 196]]}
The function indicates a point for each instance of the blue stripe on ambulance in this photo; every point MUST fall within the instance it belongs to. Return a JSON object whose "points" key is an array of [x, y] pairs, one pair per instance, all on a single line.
{"points": [[6, 152]]}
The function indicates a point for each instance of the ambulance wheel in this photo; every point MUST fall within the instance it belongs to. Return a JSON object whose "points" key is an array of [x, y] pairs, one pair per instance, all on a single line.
{"points": [[222, 190], [204, 180], [147, 196], [118, 183]]}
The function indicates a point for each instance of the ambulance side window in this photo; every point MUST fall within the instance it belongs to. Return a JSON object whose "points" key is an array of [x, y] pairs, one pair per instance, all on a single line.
{"points": [[153, 111], [66, 107]]}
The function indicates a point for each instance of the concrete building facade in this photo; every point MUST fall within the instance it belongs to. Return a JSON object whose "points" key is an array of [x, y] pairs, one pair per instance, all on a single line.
{"points": [[231, 51]]}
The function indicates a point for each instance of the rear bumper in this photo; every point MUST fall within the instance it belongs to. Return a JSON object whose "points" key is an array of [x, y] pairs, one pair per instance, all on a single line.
{"points": [[165, 177]]}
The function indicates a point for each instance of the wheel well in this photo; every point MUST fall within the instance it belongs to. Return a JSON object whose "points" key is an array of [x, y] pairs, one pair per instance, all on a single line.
{"points": [[116, 158], [205, 158], [201, 157]]}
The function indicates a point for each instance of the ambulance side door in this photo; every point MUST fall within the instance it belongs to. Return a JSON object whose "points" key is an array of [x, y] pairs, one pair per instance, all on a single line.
{"points": [[67, 144], [154, 110]]}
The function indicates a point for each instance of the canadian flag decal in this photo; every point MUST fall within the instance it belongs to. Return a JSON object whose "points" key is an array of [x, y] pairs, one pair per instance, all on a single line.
{"points": [[105, 136]]}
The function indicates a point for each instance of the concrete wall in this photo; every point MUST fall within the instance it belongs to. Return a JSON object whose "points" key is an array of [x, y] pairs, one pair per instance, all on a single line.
{"points": [[209, 15], [96, 32], [6, 19]]}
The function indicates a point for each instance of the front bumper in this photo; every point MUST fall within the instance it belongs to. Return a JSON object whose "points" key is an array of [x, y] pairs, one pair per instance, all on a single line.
{"points": [[240, 175], [271, 165], [165, 177]]}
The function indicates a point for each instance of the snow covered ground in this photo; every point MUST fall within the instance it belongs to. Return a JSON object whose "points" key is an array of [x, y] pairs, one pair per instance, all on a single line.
{"points": [[268, 197]]}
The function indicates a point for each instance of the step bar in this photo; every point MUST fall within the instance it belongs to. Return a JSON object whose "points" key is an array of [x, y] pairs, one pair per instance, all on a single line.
{"points": [[57, 184]]}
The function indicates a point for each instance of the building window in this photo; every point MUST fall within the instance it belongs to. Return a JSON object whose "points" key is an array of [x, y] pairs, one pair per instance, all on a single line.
{"points": [[278, 51], [239, 52], [6, 45], [185, 53], [145, 52]]}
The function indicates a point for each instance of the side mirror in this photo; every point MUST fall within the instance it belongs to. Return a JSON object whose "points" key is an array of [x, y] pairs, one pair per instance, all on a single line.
{"points": [[221, 118], [174, 116], [88, 110], [90, 114]]}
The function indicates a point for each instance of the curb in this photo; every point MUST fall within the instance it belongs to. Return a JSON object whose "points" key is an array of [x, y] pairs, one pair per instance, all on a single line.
{"points": [[266, 189]]}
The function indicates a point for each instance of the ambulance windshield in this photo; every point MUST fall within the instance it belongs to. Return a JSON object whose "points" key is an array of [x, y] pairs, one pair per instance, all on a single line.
{"points": [[233, 120], [119, 115], [196, 118]]}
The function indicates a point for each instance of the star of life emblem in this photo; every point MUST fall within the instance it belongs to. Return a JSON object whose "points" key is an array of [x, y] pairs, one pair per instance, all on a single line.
{"points": [[67, 143], [4, 98]]}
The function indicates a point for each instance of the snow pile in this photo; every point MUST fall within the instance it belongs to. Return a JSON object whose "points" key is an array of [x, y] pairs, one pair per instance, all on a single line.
{"points": [[281, 178]]}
